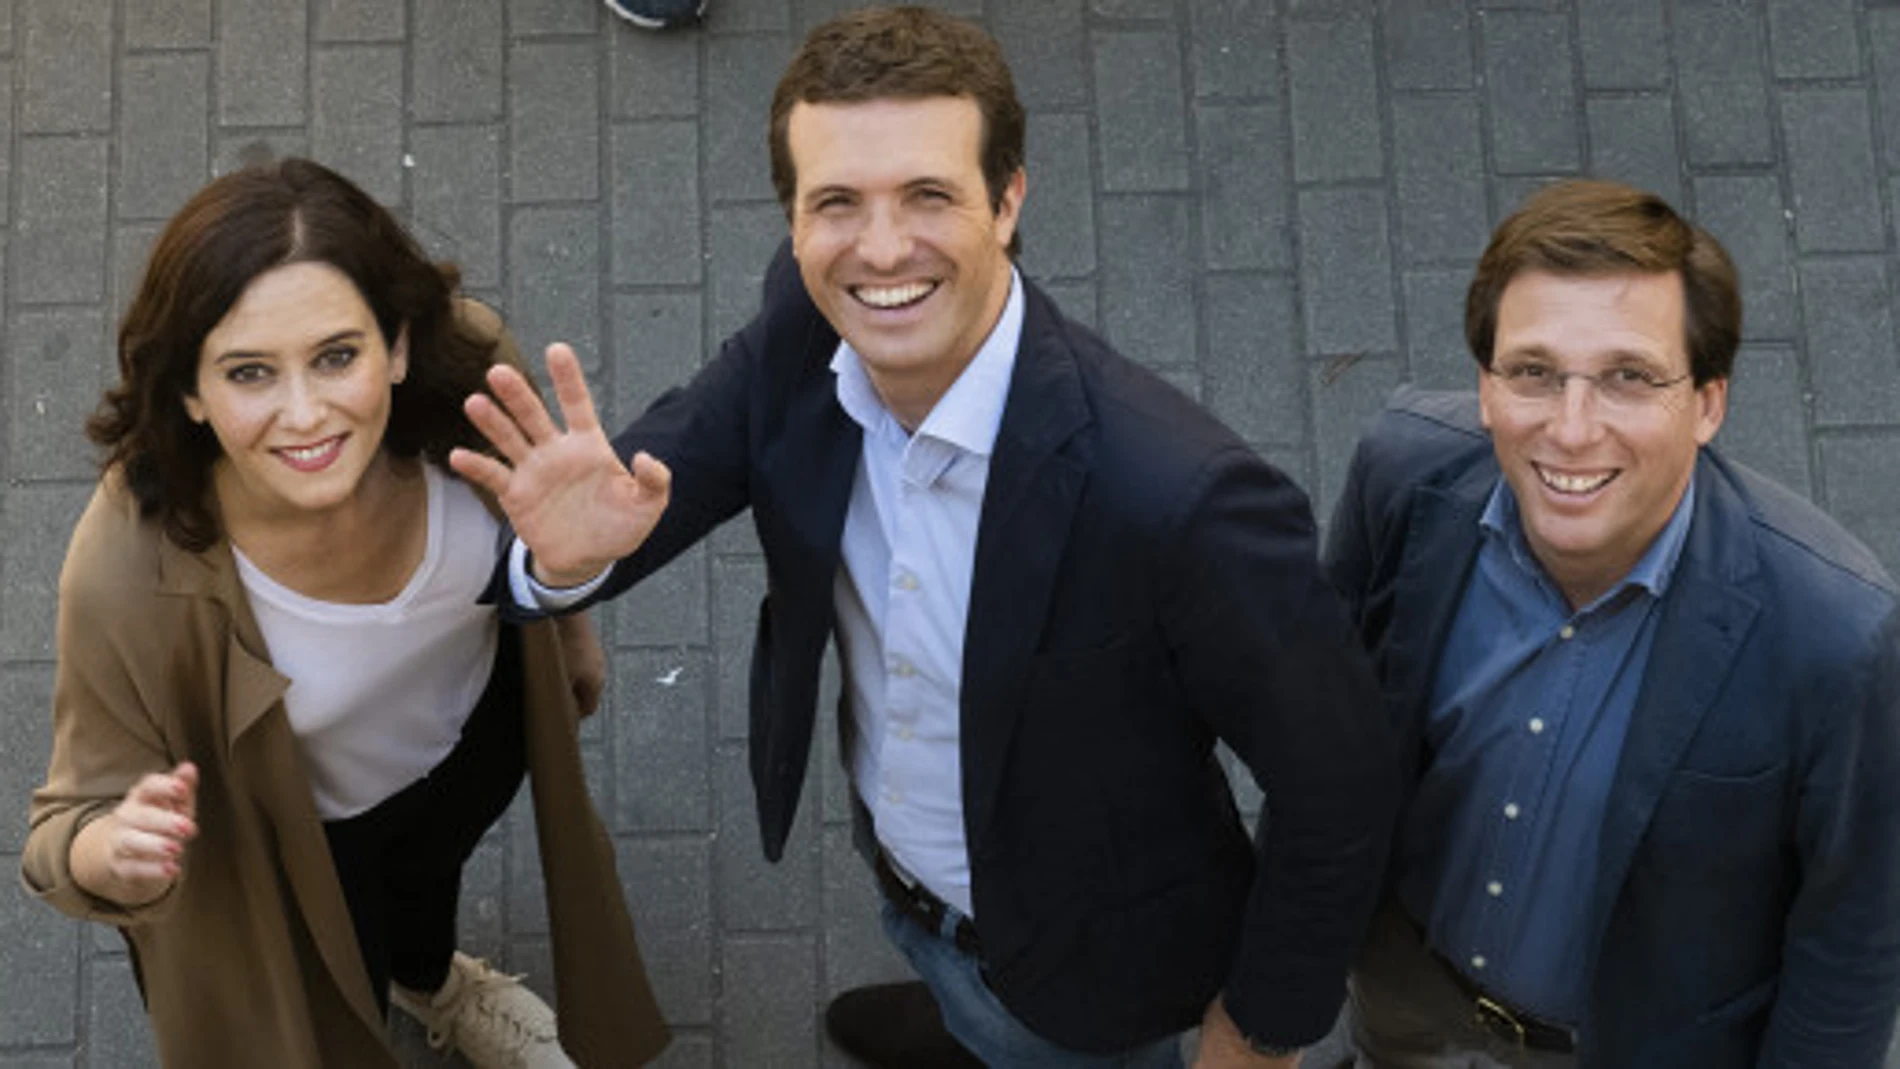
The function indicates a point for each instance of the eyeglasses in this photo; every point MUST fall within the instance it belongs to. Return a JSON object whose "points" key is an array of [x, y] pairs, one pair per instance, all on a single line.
{"points": [[1623, 387]]}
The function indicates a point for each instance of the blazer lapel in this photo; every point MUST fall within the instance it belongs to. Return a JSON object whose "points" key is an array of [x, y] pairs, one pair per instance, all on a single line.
{"points": [[1706, 616], [1037, 473], [1441, 544]]}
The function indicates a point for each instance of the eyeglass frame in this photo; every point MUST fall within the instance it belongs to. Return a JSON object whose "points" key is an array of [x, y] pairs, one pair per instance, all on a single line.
{"points": [[1602, 383]]}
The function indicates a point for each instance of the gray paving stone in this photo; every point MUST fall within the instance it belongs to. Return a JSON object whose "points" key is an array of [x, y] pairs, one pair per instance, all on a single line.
{"points": [[1344, 401], [768, 1012], [528, 18], [1235, 48], [236, 149], [1076, 298], [359, 20], [58, 370], [655, 168], [834, 779], [741, 73], [660, 738], [1883, 27], [1531, 92], [668, 886], [809, 13], [262, 62], [1633, 139], [61, 226], [738, 586], [1141, 119], [455, 198], [1047, 49], [456, 62], [37, 1061], [1847, 305], [1437, 357], [1148, 279], [6, 138], [1296, 464], [750, 893], [554, 281], [1745, 214], [1438, 160], [1335, 97], [480, 927], [168, 24], [1058, 222], [1254, 367], [744, 238], [1345, 272], [6, 27], [762, 16], [524, 899], [1829, 138], [1723, 86], [26, 738], [131, 245], [688, 1051], [1858, 473], [164, 147], [656, 347], [42, 985], [654, 75], [555, 151], [1245, 193], [1624, 44], [856, 951], [117, 1030], [1427, 44], [353, 128], [1813, 38], [1767, 423], [66, 66]]}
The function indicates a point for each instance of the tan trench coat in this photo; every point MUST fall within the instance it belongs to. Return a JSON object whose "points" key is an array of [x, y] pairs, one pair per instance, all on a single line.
{"points": [[250, 959]]}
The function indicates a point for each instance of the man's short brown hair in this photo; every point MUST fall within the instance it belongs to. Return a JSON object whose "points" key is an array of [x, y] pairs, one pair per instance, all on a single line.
{"points": [[905, 53], [1588, 227]]}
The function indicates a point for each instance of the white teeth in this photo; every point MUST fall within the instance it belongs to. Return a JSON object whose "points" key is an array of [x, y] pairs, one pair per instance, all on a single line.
{"points": [[893, 296], [1574, 484], [309, 452]]}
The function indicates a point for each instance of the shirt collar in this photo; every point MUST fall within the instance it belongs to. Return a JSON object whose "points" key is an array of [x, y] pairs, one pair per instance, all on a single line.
{"points": [[968, 415], [1652, 571]]}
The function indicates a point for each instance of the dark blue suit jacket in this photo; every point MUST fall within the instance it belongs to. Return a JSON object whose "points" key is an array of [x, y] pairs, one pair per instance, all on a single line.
{"points": [[1747, 905], [1143, 585]]}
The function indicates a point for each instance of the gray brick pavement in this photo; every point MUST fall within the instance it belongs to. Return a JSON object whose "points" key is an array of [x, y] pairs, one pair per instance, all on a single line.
{"points": [[1275, 202]]}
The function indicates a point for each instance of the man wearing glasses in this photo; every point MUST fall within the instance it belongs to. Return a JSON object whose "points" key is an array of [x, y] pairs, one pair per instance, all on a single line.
{"points": [[1650, 701]]}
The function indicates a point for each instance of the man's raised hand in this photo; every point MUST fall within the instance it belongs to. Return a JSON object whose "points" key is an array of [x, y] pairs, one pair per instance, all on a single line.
{"points": [[572, 502]]}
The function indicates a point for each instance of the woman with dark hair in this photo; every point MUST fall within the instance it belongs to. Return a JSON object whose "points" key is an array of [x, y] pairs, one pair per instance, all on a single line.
{"points": [[282, 716]]}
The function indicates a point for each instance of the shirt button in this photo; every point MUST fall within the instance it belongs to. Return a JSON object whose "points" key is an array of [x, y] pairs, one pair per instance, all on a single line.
{"points": [[902, 669], [1510, 811], [906, 581], [1567, 633], [904, 733], [1494, 888], [1477, 961], [893, 795], [1537, 725]]}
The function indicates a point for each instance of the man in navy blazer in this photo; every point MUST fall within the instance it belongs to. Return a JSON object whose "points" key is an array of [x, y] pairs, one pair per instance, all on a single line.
{"points": [[1650, 700], [1055, 583]]}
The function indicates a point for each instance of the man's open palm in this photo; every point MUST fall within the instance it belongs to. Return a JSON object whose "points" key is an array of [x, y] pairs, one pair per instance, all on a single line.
{"points": [[571, 500]]}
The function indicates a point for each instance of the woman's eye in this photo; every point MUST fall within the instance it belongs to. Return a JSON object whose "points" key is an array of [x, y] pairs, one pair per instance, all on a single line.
{"points": [[245, 374], [337, 358]]}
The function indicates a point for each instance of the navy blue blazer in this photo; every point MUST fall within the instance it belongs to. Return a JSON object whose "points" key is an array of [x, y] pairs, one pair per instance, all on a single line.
{"points": [[1747, 905], [1144, 584]]}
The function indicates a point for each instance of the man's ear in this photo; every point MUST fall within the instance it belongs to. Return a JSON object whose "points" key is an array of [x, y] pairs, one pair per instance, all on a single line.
{"points": [[1009, 207]]}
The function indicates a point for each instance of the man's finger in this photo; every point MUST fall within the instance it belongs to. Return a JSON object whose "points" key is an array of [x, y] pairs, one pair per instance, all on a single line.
{"points": [[570, 389], [497, 426], [484, 471], [524, 406]]}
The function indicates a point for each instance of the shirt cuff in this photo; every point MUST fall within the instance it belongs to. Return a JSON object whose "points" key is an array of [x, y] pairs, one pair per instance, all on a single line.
{"points": [[530, 593]]}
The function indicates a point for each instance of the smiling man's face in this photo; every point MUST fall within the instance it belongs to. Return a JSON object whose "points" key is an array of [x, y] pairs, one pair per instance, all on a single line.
{"points": [[896, 238], [1596, 483]]}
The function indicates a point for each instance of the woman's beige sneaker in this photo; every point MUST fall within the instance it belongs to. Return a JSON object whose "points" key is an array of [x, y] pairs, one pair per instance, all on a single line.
{"points": [[489, 1017]]}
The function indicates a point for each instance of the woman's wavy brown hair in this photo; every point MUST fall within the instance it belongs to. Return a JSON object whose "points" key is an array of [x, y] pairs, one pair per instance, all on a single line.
{"points": [[233, 230]]}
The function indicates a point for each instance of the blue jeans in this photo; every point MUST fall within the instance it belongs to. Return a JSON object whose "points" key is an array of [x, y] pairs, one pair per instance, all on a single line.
{"points": [[973, 1014]]}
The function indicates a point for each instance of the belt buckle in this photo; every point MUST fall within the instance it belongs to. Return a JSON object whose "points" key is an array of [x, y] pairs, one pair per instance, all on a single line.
{"points": [[1502, 1022]]}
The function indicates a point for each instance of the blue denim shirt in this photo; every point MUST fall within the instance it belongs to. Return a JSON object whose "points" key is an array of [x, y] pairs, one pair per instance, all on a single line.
{"points": [[1497, 855]]}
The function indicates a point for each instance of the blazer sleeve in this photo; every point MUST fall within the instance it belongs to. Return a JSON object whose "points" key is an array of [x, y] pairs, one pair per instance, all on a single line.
{"points": [[1263, 645], [1840, 975], [104, 737]]}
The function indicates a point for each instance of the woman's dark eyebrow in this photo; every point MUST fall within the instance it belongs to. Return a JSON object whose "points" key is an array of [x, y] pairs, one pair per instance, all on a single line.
{"points": [[250, 354]]}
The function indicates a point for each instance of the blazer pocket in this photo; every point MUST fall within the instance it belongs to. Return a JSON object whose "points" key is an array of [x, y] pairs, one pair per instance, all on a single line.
{"points": [[1717, 825]]}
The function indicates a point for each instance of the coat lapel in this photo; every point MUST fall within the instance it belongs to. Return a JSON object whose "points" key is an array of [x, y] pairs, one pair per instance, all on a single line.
{"points": [[1706, 616], [1037, 473], [1441, 544]]}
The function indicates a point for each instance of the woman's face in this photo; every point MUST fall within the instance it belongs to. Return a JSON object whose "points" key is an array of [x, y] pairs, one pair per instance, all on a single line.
{"points": [[295, 382]]}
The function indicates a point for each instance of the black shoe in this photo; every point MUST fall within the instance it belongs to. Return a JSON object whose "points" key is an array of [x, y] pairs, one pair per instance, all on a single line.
{"points": [[895, 1026], [658, 14]]}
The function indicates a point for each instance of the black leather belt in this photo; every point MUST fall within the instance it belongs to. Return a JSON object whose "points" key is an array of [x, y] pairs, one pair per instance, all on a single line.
{"points": [[1507, 1022], [915, 901]]}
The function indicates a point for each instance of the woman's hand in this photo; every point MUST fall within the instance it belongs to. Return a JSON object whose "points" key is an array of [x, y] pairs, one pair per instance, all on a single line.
{"points": [[134, 854]]}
